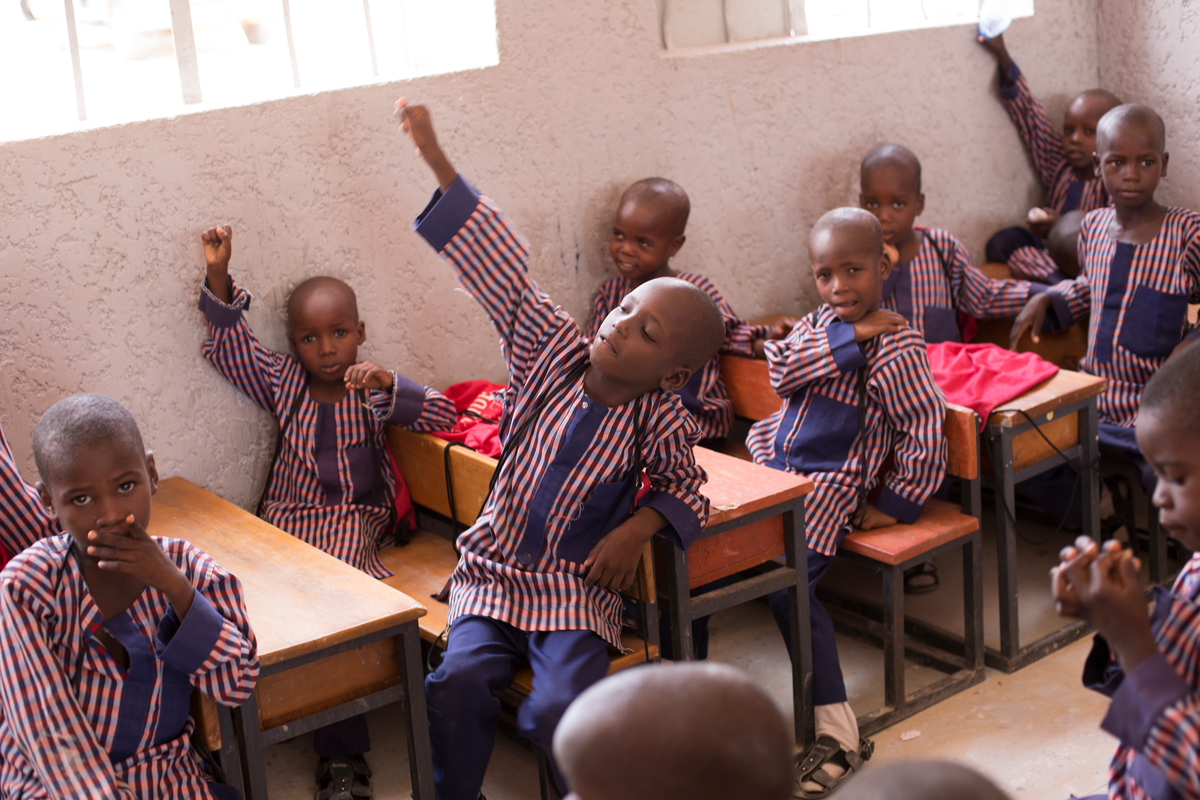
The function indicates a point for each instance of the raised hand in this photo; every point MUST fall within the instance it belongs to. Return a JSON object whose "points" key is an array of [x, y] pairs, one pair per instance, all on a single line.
{"points": [[365, 375], [877, 322], [999, 50], [1031, 319], [127, 548], [417, 123], [218, 247]]}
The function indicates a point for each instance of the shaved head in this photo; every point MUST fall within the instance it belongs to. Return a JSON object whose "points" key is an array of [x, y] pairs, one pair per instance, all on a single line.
{"points": [[703, 323], [1173, 390], [78, 424], [696, 731], [663, 198], [1063, 242], [1129, 116], [897, 157], [1101, 100], [854, 225], [312, 287], [920, 780]]}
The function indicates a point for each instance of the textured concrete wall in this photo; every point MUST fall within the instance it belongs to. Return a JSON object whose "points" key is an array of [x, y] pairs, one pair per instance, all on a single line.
{"points": [[1149, 55], [99, 246]]}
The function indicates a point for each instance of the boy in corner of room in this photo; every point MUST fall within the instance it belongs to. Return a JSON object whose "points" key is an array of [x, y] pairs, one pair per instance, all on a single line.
{"points": [[539, 573], [330, 483], [23, 520], [1146, 661], [856, 384], [107, 629], [1139, 265], [670, 729], [1063, 159], [647, 232]]}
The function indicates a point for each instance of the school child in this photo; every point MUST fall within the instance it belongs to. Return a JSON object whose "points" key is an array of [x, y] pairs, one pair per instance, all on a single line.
{"points": [[935, 278], [107, 629], [921, 779], [330, 483], [1140, 263], [1063, 160], [23, 521], [539, 572], [679, 732], [646, 233], [1146, 662], [1058, 261], [856, 385]]}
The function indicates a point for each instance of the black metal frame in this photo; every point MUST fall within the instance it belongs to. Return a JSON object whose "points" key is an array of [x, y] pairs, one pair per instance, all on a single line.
{"points": [[240, 727], [683, 608], [1085, 457]]}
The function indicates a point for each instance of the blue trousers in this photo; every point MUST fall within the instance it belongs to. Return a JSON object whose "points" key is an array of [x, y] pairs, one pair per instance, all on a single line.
{"points": [[481, 654], [828, 686]]}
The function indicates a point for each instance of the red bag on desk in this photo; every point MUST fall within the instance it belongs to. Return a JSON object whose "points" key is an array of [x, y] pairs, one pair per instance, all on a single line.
{"points": [[478, 415], [983, 377]]}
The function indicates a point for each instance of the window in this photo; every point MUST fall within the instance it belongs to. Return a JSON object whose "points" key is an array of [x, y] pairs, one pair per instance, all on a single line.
{"points": [[111, 61], [718, 24]]}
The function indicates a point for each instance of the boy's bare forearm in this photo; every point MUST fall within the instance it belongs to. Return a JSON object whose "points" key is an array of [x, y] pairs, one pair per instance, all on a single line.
{"points": [[443, 170], [218, 284]]}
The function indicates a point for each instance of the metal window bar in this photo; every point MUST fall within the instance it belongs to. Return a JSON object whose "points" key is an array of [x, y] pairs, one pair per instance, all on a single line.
{"points": [[287, 26], [73, 46], [185, 50], [371, 37]]}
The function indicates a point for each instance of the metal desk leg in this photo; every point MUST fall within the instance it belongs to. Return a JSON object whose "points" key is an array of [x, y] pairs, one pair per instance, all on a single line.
{"points": [[1089, 470], [227, 757], [1006, 538], [250, 749], [796, 558], [416, 717], [893, 637], [679, 590]]}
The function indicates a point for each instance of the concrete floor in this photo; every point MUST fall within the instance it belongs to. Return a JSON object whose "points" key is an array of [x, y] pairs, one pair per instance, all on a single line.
{"points": [[1034, 732]]}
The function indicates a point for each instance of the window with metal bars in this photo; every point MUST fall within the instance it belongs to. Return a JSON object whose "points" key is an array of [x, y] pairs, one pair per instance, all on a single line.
{"points": [[75, 63]]}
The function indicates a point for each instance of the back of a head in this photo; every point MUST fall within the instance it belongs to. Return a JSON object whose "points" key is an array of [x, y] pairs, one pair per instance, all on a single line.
{"points": [[79, 423], [664, 198], [920, 779], [1172, 392], [1063, 242], [681, 732], [704, 331]]}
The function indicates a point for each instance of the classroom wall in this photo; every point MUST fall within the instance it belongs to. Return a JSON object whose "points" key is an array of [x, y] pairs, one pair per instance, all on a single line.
{"points": [[99, 249], [1150, 57]]}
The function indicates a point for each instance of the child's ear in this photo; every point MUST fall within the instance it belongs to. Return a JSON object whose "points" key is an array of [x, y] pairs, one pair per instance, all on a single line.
{"points": [[676, 380], [675, 245], [885, 265], [362, 332], [47, 502], [1096, 164], [291, 337], [920, 204], [1166, 158], [152, 471]]}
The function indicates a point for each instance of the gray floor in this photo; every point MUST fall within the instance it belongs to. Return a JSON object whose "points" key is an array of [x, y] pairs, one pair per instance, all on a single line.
{"points": [[1035, 732]]}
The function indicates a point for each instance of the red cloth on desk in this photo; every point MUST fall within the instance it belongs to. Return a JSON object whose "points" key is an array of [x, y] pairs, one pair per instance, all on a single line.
{"points": [[478, 414], [982, 377]]}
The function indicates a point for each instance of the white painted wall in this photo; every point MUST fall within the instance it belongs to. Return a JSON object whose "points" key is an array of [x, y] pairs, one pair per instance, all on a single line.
{"points": [[99, 248], [1150, 56]]}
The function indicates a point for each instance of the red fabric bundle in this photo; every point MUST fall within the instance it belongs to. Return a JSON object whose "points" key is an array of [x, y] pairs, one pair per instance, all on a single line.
{"points": [[478, 415], [983, 376]]}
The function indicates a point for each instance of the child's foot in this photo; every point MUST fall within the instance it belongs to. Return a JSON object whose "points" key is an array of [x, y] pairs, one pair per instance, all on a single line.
{"points": [[342, 777], [826, 765]]}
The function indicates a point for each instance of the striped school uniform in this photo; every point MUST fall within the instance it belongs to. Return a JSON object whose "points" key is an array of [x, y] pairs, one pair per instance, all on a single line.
{"points": [[704, 395], [1035, 264], [942, 280], [330, 485], [1155, 710], [1137, 297], [23, 520], [73, 721]]}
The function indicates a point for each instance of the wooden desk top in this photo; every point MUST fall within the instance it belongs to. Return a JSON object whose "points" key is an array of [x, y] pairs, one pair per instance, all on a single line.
{"points": [[299, 599], [736, 488], [1063, 389]]}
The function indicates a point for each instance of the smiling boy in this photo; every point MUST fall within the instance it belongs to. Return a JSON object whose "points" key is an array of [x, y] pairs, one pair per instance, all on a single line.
{"points": [[856, 385]]}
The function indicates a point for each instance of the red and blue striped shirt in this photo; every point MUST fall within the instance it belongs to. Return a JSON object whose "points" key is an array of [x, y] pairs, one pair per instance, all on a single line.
{"points": [[23, 520]]}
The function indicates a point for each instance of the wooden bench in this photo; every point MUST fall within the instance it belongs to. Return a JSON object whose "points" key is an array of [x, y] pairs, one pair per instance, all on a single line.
{"points": [[942, 527], [332, 641], [1064, 350]]}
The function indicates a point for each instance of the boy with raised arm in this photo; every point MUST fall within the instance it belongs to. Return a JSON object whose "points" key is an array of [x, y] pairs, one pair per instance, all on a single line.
{"points": [[856, 385], [330, 483], [107, 630], [23, 521], [1063, 159], [560, 535]]}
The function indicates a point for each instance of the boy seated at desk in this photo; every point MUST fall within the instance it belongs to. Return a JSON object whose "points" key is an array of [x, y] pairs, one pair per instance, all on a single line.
{"points": [[330, 483], [107, 629], [1146, 662], [1063, 160], [856, 385], [560, 533], [23, 521], [1058, 261], [1139, 265], [647, 232]]}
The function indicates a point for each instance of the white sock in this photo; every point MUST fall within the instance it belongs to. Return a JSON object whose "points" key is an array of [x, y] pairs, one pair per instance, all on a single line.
{"points": [[837, 721]]}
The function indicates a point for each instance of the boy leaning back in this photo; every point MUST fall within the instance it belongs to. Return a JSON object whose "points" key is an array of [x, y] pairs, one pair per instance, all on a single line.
{"points": [[107, 630], [539, 572], [856, 385]]}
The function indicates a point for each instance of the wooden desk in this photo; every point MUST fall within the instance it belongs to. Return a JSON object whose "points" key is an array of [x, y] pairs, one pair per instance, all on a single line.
{"points": [[314, 617], [756, 514], [1025, 437]]}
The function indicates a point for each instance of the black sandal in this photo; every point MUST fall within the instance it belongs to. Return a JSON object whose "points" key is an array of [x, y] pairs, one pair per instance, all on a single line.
{"points": [[827, 750], [343, 778], [921, 579]]}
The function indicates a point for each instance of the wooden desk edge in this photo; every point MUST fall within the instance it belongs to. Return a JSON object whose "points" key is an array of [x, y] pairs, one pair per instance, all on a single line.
{"points": [[1093, 387]]}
